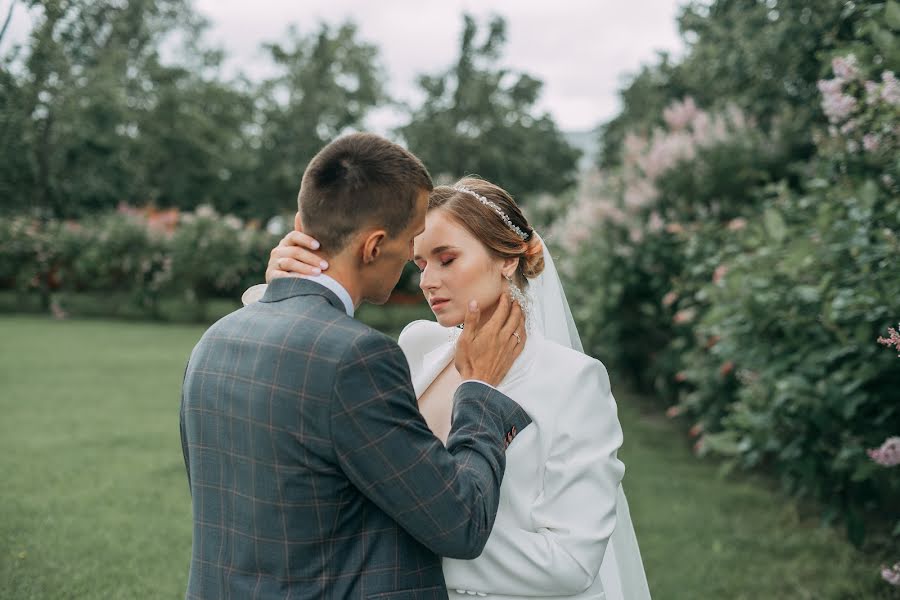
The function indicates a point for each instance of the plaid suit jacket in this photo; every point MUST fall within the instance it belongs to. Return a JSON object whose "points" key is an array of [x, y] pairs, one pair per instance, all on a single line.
{"points": [[312, 472]]}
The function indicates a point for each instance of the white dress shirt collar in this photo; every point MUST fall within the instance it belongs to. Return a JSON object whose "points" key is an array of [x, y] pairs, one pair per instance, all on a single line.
{"points": [[339, 290]]}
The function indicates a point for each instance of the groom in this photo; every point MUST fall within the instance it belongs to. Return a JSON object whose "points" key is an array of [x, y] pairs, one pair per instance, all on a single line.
{"points": [[312, 472]]}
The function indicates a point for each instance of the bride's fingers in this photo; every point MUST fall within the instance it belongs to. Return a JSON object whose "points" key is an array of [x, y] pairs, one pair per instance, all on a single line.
{"points": [[298, 254], [291, 265], [273, 274], [298, 238]]}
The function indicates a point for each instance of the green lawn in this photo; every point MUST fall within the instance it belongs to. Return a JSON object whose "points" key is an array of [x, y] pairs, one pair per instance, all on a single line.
{"points": [[94, 500]]}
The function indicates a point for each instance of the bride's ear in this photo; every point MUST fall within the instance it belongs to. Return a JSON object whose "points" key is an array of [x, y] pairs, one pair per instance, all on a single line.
{"points": [[509, 266]]}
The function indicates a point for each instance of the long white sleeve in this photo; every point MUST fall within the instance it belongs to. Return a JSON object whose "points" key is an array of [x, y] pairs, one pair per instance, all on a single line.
{"points": [[573, 516]]}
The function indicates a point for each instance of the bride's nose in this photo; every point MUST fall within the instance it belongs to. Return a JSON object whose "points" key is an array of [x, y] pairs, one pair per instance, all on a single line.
{"points": [[427, 280]]}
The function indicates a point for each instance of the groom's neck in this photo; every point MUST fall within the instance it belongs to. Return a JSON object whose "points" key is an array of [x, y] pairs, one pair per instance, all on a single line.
{"points": [[349, 280]]}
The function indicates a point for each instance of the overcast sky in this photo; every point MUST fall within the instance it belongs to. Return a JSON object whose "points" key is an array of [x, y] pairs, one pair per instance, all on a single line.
{"points": [[581, 49]]}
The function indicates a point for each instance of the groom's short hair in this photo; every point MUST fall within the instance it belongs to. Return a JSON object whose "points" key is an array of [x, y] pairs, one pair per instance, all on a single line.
{"points": [[359, 180]]}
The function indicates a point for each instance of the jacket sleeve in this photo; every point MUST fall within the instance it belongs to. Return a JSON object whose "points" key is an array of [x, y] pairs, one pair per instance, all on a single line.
{"points": [[445, 497], [185, 450], [573, 516]]}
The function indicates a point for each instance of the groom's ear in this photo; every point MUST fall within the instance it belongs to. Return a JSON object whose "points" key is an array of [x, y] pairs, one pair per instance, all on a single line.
{"points": [[373, 246], [298, 222]]}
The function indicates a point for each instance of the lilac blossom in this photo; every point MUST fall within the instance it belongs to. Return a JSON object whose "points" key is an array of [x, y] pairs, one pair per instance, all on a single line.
{"points": [[891, 574], [893, 339], [890, 90], [871, 142], [888, 454], [845, 67]]}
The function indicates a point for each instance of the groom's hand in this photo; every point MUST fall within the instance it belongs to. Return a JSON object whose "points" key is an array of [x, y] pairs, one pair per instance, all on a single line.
{"points": [[292, 257], [486, 351]]}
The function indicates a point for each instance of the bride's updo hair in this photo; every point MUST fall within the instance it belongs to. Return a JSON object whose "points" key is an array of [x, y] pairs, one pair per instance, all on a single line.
{"points": [[488, 227]]}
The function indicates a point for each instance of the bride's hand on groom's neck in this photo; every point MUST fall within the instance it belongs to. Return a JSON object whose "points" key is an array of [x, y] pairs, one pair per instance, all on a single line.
{"points": [[294, 256], [486, 351]]}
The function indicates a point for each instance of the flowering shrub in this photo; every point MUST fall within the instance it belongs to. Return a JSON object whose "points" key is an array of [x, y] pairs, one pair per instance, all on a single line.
{"points": [[144, 254], [748, 303]]}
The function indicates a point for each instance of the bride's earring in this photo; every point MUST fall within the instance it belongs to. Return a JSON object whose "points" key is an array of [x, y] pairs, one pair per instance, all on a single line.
{"points": [[517, 295]]}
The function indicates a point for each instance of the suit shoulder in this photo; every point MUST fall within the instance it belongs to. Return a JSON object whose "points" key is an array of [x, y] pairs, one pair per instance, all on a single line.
{"points": [[366, 342]]}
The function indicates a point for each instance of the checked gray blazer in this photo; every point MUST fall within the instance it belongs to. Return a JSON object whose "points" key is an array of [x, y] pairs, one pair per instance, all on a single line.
{"points": [[312, 472]]}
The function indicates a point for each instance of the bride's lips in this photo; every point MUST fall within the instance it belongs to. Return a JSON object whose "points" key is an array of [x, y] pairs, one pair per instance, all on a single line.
{"points": [[437, 303]]}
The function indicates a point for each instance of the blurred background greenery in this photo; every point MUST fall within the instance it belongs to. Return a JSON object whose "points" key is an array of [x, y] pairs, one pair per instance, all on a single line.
{"points": [[729, 242]]}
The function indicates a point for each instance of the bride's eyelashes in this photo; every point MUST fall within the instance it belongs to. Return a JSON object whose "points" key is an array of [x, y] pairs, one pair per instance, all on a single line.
{"points": [[443, 263]]}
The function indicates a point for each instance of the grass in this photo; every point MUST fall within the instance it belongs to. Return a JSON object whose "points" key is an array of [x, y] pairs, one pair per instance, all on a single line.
{"points": [[94, 501]]}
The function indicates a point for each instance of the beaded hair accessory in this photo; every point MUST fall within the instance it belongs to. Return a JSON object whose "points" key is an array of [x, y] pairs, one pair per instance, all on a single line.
{"points": [[493, 206]]}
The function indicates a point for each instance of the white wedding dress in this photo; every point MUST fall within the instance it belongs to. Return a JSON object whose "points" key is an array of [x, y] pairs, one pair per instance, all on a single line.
{"points": [[563, 527]]}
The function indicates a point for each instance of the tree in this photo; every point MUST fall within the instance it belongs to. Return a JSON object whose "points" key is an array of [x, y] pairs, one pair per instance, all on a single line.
{"points": [[75, 98], [763, 56], [328, 82], [480, 119]]}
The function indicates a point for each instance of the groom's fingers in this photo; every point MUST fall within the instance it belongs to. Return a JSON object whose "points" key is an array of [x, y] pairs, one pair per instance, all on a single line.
{"points": [[473, 314], [513, 322], [501, 315]]}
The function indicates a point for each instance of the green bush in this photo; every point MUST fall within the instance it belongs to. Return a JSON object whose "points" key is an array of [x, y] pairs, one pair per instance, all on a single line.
{"points": [[747, 288]]}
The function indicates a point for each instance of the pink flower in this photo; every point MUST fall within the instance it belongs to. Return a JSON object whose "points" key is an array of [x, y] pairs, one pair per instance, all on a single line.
{"points": [[838, 107], [719, 273], [871, 142], [673, 411], [675, 228], [848, 127], [679, 115], [726, 368], [890, 92], [680, 376], [685, 315], [696, 430], [893, 339], [655, 223], [891, 574], [830, 87], [635, 235], [699, 446], [669, 299], [845, 67], [888, 454], [737, 224], [873, 92]]}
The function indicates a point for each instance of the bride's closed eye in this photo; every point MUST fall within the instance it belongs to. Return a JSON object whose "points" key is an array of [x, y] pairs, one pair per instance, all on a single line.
{"points": [[444, 263]]}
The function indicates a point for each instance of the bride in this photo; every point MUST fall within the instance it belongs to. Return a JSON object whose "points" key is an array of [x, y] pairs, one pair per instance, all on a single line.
{"points": [[563, 527]]}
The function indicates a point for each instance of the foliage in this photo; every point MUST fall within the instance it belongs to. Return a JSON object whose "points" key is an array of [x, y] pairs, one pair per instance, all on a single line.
{"points": [[478, 118], [743, 274], [141, 254], [124, 101]]}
